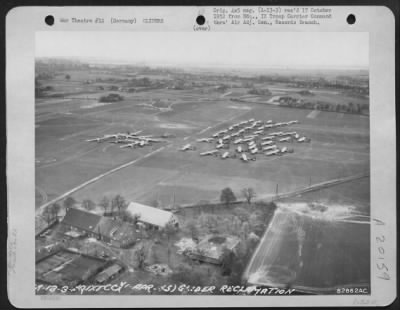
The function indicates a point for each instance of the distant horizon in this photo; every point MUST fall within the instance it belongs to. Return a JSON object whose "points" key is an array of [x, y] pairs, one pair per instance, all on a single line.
{"points": [[104, 61], [303, 50]]}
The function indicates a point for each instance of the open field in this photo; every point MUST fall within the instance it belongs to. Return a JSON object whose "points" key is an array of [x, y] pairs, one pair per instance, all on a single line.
{"points": [[316, 251], [339, 147]]}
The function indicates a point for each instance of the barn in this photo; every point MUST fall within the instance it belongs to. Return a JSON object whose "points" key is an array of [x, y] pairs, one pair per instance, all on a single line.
{"points": [[153, 217]]}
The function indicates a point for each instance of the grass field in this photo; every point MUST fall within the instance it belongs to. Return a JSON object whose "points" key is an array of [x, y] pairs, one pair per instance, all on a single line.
{"points": [[339, 147]]}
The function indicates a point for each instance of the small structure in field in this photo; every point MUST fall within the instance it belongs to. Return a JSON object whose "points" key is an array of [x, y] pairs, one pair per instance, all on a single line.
{"points": [[109, 273], [185, 244], [159, 269]]}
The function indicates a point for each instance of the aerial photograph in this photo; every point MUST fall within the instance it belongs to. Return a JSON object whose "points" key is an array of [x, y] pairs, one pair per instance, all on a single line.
{"points": [[202, 163]]}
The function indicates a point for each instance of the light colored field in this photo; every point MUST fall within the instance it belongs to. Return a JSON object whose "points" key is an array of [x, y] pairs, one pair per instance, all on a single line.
{"points": [[317, 251]]}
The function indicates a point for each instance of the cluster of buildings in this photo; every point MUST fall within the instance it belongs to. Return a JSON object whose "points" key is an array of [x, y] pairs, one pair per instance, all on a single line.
{"points": [[79, 223], [64, 265], [70, 266]]}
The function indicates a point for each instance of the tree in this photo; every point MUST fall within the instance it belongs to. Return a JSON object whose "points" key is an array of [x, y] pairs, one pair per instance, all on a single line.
{"points": [[153, 255], [105, 203], [88, 204], [208, 222], [192, 227], [350, 107], [56, 209], [245, 230], [111, 98], [358, 108], [227, 261], [69, 202], [140, 254], [155, 203], [67, 77], [118, 202], [169, 231], [227, 196], [235, 226], [248, 193], [254, 220], [242, 213], [48, 214]]}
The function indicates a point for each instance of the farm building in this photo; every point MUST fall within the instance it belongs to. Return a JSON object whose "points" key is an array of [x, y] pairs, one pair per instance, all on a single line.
{"points": [[108, 274], [65, 267], [81, 223], [152, 217], [211, 249]]}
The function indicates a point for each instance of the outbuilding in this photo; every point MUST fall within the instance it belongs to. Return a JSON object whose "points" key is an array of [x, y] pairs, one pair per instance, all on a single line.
{"points": [[153, 217]]}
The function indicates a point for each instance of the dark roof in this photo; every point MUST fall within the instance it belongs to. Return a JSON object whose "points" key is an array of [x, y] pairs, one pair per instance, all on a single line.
{"points": [[108, 272], [81, 219]]}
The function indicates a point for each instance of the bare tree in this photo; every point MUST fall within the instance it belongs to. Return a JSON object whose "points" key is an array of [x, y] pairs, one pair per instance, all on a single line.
{"points": [[192, 227], [155, 203], [88, 204], [245, 230], [226, 261], [141, 256], [56, 209], [248, 193], [105, 203], [119, 202]]}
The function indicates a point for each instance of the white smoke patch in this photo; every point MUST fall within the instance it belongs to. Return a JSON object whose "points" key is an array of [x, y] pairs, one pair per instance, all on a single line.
{"points": [[258, 276], [325, 211], [272, 275]]}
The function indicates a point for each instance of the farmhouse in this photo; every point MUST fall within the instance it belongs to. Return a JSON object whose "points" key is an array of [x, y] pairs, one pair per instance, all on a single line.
{"points": [[82, 223], [153, 217]]}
